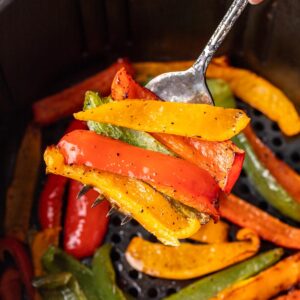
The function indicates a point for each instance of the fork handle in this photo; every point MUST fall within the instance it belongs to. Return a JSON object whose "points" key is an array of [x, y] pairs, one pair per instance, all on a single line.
{"points": [[234, 11]]}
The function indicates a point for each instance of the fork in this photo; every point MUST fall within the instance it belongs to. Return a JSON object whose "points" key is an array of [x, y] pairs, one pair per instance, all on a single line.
{"points": [[190, 86]]}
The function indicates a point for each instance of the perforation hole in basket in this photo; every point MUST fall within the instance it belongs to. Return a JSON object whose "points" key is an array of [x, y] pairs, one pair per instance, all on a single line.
{"points": [[116, 238], [295, 157], [133, 292], [258, 126], [152, 292], [277, 141]]}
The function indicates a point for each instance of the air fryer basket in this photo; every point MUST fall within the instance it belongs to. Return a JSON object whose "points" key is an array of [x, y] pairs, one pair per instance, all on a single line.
{"points": [[47, 45]]}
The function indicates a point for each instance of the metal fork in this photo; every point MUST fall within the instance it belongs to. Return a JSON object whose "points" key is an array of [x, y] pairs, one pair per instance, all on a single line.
{"points": [[190, 86]]}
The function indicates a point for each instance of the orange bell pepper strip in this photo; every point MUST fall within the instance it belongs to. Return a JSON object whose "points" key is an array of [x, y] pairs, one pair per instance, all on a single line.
{"points": [[292, 295], [208, 122], [133, 197], [260, 94], [42, 240], [269, 228], [63, 104], [284, 174], [267, 284], [83, 147], [212, 233], [223, 160], [189, 260]]}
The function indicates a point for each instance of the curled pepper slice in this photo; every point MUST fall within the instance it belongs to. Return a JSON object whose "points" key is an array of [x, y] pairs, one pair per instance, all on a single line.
{"points": [[84, 147], [188, 260], [205, 121], [147, 206], [267, 284]]}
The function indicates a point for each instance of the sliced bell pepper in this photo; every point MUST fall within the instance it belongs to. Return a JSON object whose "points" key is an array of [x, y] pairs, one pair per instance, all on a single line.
{"points": [[93, 150], [51, 197], [209, 286], [19, 255], [10, 285], [20, 193], [292, 295], [138, 199], [105, 276], [260, 94], [265, 183], [39, 245], [284, 174], [85, 226], [269, 228], [223, 160], [192, 120], [267, 284], [63, 104], [189, 260], [212, 233]]}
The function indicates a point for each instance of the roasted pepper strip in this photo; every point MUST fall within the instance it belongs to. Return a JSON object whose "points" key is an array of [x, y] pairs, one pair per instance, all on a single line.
{"points": [[284, 174], [136, 198], [266, 184], [39, 245], [269, 228], [10, 285], [209, 286], [63, 104], [212, 233], [260, 94], [188, 260], [105, 276], [267, 284], [79, 147], [221, 159], [292, 295], [192, 120], [20, 194]]}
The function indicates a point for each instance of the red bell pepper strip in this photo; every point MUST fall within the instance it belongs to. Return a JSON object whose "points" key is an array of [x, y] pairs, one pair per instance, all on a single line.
{"points": [[105, 154], [68, 101], [249, 216], [23, 264], [223, 160], [85, 226], [10, 285], [284, 174], [50, 201]]}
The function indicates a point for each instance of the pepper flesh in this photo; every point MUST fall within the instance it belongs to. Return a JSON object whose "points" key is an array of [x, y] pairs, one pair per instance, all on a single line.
{"points": [[269, 228], [10, 285], [188, 260], [83, 220], [223, 160], [63, 104], [212, 233], [267, 284], [148, 207], [79, 147], [284, 174], [209, 286], [260, 94], [192, 120]]}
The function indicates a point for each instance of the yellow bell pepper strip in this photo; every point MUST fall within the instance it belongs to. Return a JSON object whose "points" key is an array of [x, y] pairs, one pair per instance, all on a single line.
{"points": [[269, 228], [39, 245], [192, 120], [20, 193], [212, 233], [267, 284], [136, 198], [82, 147], [189, 260], [260, 94], [292, 295], [283, 173]]}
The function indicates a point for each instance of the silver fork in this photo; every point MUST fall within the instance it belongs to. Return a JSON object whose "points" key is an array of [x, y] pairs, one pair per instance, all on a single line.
{"points": [[190, 86]]}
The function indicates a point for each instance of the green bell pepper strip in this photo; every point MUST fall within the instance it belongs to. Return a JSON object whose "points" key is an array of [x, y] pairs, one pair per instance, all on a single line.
{"points": [[260, 176], [105, 276], [56, 261], [61, 286], [210, 286], [137, 138]]}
